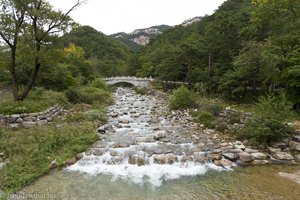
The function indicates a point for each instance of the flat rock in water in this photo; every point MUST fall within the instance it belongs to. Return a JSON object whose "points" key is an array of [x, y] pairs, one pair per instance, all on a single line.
{"points": [[259, 162], [230, 156], [283, 156], [245, 157], [259, 156]]}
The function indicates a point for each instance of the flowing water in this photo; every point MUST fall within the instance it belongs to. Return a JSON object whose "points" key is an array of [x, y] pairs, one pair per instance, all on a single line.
{"points": [[149, 152]]}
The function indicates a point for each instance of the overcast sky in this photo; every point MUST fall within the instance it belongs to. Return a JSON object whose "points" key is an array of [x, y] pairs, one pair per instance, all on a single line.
{"points": [[112, 16]]}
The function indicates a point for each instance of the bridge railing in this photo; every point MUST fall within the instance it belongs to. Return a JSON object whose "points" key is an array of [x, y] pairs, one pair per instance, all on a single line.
{"points": [[130, 78]]}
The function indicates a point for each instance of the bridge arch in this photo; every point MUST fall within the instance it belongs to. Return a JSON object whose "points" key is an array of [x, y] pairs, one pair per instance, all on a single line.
{"points": [[137, 82]]}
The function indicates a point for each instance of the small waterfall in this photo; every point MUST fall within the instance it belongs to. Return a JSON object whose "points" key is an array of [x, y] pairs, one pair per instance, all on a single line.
{"points": [[144, 142]]}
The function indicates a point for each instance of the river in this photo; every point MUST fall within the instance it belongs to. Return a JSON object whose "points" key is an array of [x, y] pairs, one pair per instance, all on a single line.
{"points": [[147, 151]]}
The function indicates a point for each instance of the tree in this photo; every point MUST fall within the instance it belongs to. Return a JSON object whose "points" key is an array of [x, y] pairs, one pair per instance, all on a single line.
{"points": [[35, 23]]}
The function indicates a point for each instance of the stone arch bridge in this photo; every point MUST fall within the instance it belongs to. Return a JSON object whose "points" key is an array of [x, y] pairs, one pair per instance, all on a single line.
{"points": [[141, 82], [136, 81]]}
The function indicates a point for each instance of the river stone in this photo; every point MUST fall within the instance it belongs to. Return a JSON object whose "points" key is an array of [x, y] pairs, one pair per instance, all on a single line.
{"points": [[296, 138], [279, 145], [294, 145], [259, 162], [114, 115], [195, 149], [165, 159], [98, 152], [53, 164], [186, 158], [248, 150], [231, 156], [283, 156], [19, 120], [223, 163], [236, 151], [133, 160], [297, 157], [114, 153], [70, 161], [2, 154], [1, 160], [214, 156], [200, 158], [160, 135], [121, 145], [273, 150], [239, 146], [134, 133], [245, 157], [259, 156], [79, 156]]}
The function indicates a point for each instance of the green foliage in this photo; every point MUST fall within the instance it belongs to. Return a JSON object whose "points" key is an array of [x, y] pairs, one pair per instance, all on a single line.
{"points": [[96, 115], [261, 130], [141, 91], [269, 123], [275, 107], [206, 118], [107, 56], [37, 101], [89, 95], [99, 83], [37, 147], [182, 98]]}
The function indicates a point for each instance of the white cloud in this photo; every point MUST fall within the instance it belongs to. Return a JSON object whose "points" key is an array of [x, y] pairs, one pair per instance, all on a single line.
{"points": [[111, 16]]}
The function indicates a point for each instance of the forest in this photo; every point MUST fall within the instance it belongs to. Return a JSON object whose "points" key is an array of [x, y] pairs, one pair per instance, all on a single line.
{"points": [[244, 50]]}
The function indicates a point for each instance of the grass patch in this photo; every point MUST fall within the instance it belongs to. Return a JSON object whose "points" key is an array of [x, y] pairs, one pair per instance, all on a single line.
{"points": [[38, 100], [30, 151]]}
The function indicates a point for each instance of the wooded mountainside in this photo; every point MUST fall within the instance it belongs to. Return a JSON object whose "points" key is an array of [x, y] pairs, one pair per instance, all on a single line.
{"points": [[245, 49]]}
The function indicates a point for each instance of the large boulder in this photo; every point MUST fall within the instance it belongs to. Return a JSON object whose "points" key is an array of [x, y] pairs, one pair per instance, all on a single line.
{"points": [[294, 145], [231, 156], [283, 156], [259, 156], [245, 157]]}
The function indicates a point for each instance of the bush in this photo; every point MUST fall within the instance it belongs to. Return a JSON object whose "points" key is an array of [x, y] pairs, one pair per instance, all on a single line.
{"points": [[141, 91], [215, 109], [207, 119], [89, 95], [260, 130], [99, 83], [182, 98], [221, 126], [275, 107], [96, 115]]}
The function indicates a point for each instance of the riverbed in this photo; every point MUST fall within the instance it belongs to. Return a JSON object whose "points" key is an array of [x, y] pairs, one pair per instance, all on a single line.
{"points": [[146, 151]]}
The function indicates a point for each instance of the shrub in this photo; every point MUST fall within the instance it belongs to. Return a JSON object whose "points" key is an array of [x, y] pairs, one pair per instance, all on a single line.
{"points": [[182, 98], [215, 109], [260, 130], [99, 83], [221, 126], [276, 107], [207, 119], [96, 115], [89, 95], [141, 91]]}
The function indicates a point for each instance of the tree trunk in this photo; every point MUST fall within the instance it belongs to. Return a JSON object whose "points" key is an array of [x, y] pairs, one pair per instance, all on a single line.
{"points": [[33, 76], [13, 73]]}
